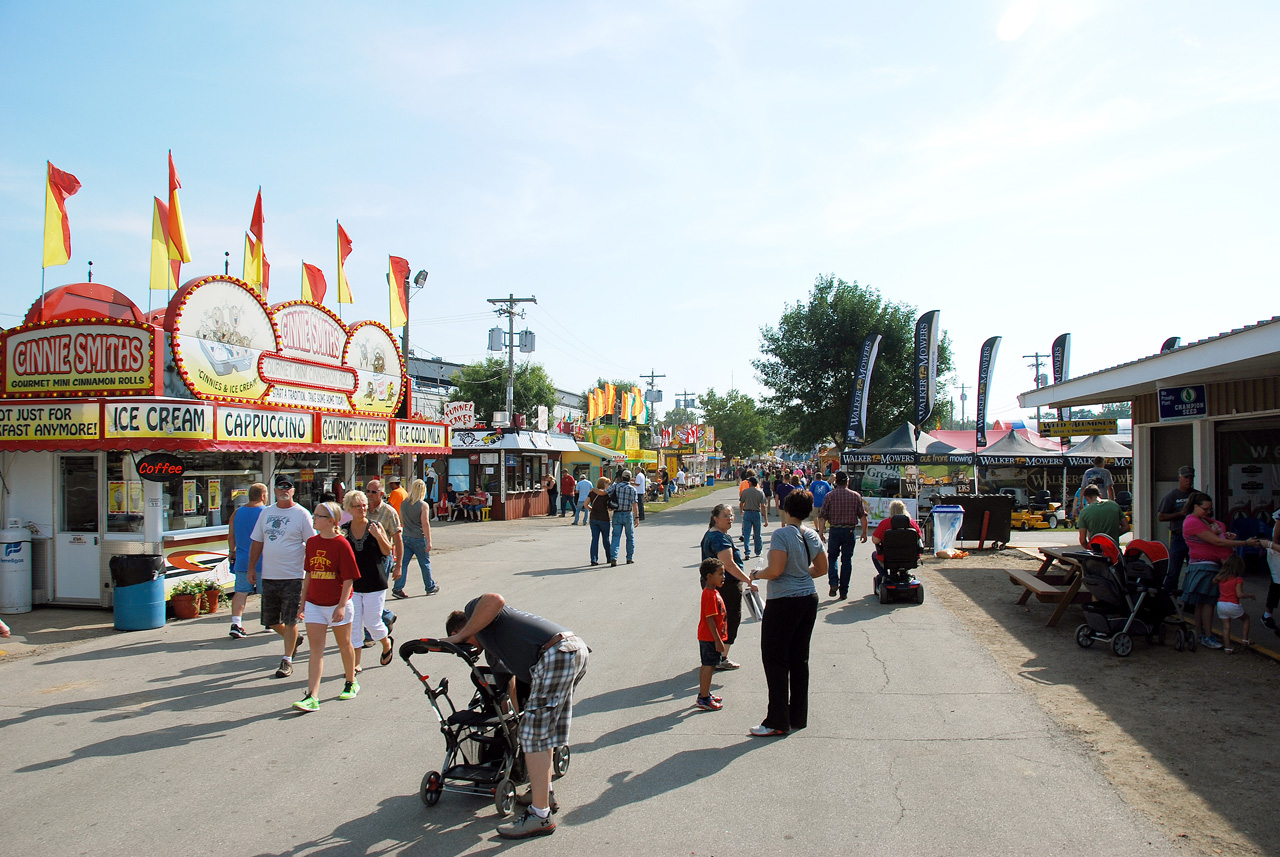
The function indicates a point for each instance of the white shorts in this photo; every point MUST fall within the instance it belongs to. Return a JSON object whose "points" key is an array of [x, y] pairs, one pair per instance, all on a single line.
{"points": [[317, 615], [1229, 610]]}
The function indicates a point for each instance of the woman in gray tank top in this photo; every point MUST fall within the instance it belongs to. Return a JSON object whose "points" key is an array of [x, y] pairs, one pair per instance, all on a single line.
{"points": [[415, 517]]}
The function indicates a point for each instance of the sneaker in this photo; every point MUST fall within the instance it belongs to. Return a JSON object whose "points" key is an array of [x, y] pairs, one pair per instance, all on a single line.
{"points": [[708, 703], [527, 825], [307, 703], [434, 589], [726, 664], [350, 690], [398, 593], [613, 563], [763, 731], [1270, 621], [237, 633], [833, 592], [1211, 642], [286, 668], [527, 798]]}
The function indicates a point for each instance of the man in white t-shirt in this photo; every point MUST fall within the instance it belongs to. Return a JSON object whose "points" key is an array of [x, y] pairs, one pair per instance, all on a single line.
{"points": [[681, 479], [641, 484], [280, 539]]}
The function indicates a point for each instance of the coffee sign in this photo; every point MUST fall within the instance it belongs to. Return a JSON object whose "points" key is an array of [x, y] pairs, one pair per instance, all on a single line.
{"points": [[160, 467]]}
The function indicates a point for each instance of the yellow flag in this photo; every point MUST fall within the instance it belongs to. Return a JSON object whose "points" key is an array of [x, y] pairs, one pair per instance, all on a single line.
{"points": [[162, 269], [57, 229], [253, 262]]}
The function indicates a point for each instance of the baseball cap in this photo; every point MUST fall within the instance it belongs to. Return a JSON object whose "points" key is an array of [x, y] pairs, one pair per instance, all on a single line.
{"points": [[284, 481], [626, 476], [393, 480], [1186, 470]]}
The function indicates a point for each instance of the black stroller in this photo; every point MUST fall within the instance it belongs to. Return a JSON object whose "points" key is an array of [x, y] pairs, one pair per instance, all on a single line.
{"points": [[482, 747], [1128, 600]]}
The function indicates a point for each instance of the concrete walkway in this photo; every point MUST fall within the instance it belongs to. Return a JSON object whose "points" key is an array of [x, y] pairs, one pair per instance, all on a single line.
{"points": [[179, 741]]}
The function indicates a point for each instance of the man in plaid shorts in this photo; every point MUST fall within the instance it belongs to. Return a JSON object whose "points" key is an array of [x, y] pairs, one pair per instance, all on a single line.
{"points": [[551, 660]]}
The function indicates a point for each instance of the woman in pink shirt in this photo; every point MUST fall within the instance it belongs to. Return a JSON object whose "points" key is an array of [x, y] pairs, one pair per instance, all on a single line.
{"points": [[1208, 545]]}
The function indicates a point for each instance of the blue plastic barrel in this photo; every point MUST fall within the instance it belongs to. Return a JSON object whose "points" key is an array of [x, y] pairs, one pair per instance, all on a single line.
{"points": [[140, 607]]}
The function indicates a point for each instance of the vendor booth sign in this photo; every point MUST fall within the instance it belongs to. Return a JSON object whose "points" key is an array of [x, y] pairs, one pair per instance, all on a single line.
{"points": [[134, 419], [78, 359], [49, 421]]}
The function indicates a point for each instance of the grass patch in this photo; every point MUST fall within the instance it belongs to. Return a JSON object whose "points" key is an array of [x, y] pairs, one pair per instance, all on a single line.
{"points": [[678, 499]]}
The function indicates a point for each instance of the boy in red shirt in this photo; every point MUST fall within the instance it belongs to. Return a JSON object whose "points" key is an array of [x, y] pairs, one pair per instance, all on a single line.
{"points": [[331, 572], [712, 630]]}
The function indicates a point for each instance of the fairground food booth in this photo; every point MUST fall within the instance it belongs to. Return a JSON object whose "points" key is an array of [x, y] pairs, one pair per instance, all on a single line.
{"points": [[234, 390]]}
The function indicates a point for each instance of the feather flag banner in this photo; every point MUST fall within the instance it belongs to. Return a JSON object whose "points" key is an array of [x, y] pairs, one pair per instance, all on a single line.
{"points": [[178, 249], [164, 271], [57, 228], [398, 297], [344, 250], [313, 284]]}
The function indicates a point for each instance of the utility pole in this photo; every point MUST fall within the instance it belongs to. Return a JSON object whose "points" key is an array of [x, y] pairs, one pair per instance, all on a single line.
{"points": [[1039, 358], [507, 306], [963, 399], [685, 398], [650, 378]]}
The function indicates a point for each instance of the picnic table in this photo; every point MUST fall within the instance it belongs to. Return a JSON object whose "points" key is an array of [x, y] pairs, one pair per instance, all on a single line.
{"points": [[1057, 581]]}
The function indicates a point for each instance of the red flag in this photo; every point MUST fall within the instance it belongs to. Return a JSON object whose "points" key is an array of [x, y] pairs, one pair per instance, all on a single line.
{"points": [[57, 229], [178, 248], [313, 284], [399, 296], [344, 250], [255, 222]]}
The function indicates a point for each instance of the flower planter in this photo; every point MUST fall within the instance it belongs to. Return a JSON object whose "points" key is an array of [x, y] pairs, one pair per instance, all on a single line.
{"points": [[185, 606], [209, 601]]}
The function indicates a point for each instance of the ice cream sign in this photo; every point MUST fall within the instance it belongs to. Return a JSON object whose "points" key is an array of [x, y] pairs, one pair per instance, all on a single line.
{"points": [[229, 345], [78, 359]]}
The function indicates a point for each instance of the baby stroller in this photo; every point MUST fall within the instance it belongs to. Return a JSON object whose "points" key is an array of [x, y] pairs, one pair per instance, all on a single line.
{"points": [[482, 747], [900, 551], [1128, 601]]}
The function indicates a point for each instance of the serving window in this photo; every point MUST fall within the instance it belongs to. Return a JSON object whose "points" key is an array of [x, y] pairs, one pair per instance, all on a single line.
{"points": [[525, 471], [312, 474], [212, 486]]}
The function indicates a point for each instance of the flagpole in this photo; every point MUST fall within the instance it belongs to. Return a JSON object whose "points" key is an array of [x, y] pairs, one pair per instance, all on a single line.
{"points": [[42, 292]]}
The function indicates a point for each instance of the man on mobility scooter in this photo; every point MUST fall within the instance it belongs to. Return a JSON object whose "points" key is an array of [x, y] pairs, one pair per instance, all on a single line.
{"points": [[551, 660]]}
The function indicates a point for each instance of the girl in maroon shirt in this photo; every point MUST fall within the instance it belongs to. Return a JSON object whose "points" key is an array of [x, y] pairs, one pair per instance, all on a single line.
{"points": [[331, 572]]}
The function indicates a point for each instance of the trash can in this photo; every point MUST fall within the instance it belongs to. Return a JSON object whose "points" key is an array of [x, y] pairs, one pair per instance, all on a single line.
{"points": [[711, 480], [946, 526], [15, 568], [138, 583]]}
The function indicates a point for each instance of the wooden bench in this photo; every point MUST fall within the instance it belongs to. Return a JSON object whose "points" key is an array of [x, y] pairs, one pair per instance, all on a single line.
{"points": [[1052, 584]]}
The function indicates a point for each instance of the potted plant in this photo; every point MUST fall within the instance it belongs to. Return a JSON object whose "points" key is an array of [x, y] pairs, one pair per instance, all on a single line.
{"points": [[186, 597], [212, 595]]}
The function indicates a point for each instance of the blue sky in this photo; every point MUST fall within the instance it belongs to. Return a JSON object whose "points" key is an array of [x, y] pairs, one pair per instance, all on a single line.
{"points": [[664, 177]]}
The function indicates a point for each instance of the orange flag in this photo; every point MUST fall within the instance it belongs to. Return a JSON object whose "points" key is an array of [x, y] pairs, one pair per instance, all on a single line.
{"points": [[313, 284], [254, 252], [344, 250], [399, 297], [57, 229], [610, 398], [178, 248]]}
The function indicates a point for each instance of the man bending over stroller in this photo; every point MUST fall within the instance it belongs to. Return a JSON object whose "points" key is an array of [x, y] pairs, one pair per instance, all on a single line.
{"points": [[552, 660]]}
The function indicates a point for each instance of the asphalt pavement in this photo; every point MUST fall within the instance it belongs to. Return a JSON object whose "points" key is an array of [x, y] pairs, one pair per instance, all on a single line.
{"points": [[180, 741]]}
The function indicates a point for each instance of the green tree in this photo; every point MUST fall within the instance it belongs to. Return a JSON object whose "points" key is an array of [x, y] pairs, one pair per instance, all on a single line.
{"points": [[810, 359], [740, 427], [485, 383]]}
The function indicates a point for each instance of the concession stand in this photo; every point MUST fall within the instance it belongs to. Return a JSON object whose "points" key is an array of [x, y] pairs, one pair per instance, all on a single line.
{"points": [[510, 465], [232, 389]]}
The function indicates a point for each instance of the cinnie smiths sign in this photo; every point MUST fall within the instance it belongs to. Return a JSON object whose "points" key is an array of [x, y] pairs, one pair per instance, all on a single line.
{"points": [[78, 359]]}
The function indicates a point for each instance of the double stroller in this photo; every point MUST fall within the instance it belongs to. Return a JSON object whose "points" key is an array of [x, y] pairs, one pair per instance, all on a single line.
{"points": [[1128, 601], [482, 747]]}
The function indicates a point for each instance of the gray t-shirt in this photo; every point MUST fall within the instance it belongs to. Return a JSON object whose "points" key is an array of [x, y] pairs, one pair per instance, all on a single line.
{"points": [[411, 520], [802, 547], [515, 639], [1098, 473], [284, 534], [752, 499]]}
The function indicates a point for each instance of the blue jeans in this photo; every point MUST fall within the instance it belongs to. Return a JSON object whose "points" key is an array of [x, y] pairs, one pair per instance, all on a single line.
{"points": [[567, 502], [1177, 556], [600, 533], [623, 521], [581, 510], [418, 548], [750, 524], [840, 542]]}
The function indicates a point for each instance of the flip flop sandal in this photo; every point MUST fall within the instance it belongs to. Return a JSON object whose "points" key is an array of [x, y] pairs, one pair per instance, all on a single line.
{"points": [[385, 659], [359, 670], [1228, 651]]}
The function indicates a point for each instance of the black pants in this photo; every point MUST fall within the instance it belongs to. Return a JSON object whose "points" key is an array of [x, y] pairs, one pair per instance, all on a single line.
{"points": [[784, 648], [731, 592], [1273, 596]]}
